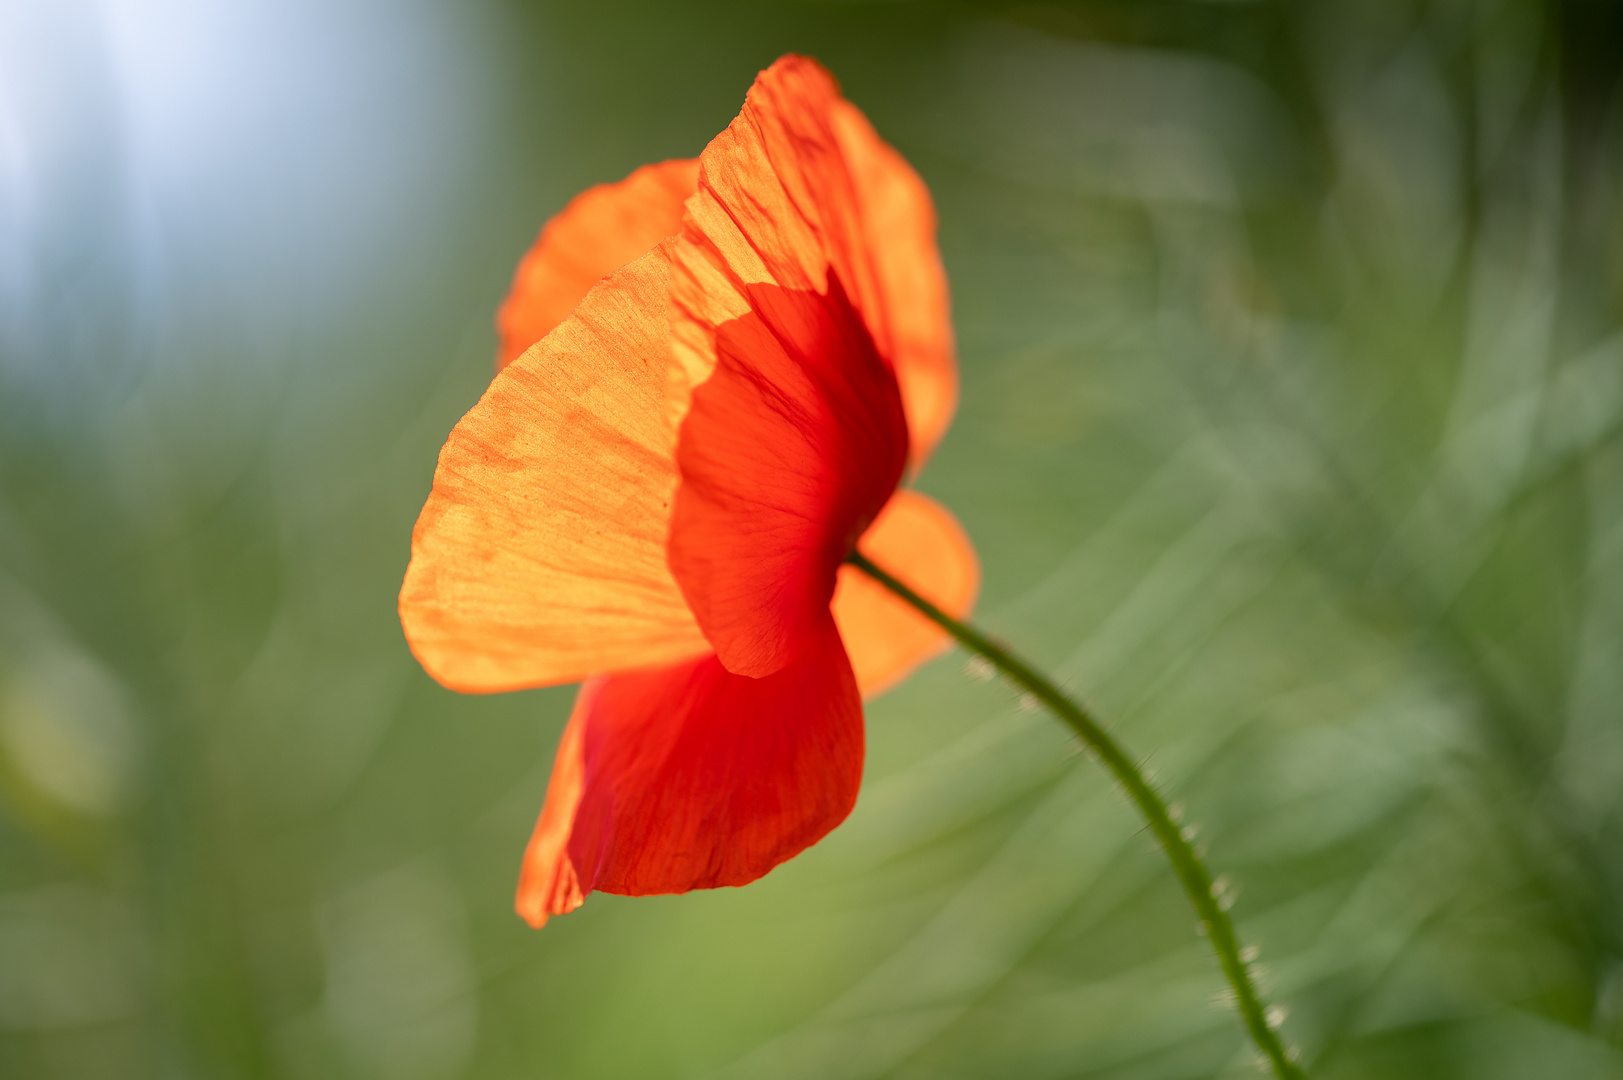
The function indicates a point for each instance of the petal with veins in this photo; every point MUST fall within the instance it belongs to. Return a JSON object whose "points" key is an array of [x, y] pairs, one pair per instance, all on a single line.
{"points": [[602, 229], [799, 185], [540, 556]]}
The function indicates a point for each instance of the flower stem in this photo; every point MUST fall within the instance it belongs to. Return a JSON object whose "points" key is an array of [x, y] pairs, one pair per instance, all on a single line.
{"points": [[1192, 873]]}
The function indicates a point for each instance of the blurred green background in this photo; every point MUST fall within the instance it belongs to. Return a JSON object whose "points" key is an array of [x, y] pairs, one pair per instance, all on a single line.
{"points": [[1292, 346]]}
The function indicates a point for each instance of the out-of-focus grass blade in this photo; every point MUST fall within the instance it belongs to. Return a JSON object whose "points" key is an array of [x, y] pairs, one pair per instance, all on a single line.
{"points": [[1289, 438]]}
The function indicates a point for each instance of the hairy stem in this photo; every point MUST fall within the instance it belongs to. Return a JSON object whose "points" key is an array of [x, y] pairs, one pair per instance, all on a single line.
{"points": [[1192, 873]]}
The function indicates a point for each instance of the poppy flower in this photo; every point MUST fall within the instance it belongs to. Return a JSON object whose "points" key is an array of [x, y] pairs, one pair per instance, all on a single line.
{"points": [[713, 376]]}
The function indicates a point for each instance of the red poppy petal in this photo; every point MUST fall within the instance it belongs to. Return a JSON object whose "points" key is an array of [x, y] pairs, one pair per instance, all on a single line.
{"points": [[697, 778], [918, 540], [799, 186], [913, 323], [540, 555], [602, 229], [788, 452]]}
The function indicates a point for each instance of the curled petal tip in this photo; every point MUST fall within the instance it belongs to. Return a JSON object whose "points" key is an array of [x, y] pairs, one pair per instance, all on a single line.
{"points": [[548, 884]]}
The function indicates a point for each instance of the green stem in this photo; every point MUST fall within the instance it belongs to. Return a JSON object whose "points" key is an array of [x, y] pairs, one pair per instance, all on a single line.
{"points": [[1191, 871]]}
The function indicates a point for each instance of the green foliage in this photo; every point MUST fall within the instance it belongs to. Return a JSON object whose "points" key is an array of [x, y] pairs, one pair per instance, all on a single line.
{"points": [[1292, 341]]}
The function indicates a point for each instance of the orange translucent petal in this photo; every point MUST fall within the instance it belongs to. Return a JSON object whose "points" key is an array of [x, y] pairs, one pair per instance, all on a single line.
{"points": [[919, 541], [539, 557], [798, 186], [602, 229]]}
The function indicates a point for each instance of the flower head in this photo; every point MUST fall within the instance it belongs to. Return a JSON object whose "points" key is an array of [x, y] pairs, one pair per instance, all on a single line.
{"points": [[658, 495]]}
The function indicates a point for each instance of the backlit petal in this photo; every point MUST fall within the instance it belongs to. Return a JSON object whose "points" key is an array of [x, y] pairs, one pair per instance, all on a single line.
{"points": [[919, 541], [602, 229], [796, 187], [696, 778], [788, 452], [540, 556], [912, 321]]}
